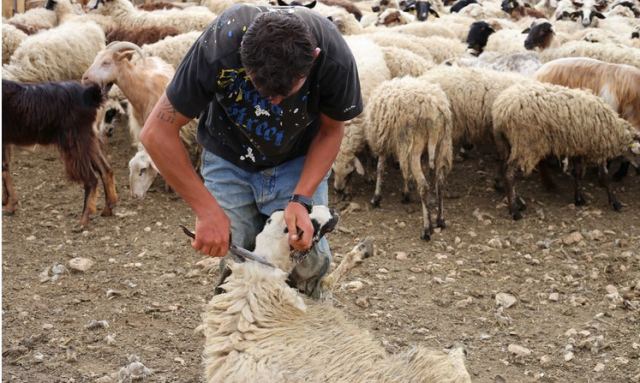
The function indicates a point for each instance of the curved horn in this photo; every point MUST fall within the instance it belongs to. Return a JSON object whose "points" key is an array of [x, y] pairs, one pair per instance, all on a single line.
{"points": [[117, 46]]}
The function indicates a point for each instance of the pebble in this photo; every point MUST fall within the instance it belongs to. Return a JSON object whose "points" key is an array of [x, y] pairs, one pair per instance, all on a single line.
{"points": [[611, 289], [485, 336], [401, 256], [179, 360], [147, 229], [595, 235], [31, 238], [572, 238], [110, 339], [599, 367], [383, 270], [464, 303], [47, 326], [518, 350], [96, 324], [568, 356], [80, 264], [354, 286], [495, 243], [554, 297], [38, 357], [571, 332], [545, 360], [457, 240], [363, 302], [415, 269], [584, 333], [505, 300]]}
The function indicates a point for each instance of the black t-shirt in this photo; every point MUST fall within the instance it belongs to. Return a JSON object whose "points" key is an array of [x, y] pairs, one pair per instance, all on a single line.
{"points": [[236, 122]]}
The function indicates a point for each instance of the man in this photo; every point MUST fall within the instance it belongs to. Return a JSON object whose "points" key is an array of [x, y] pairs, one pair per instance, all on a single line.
{"points": [[272, 87]]}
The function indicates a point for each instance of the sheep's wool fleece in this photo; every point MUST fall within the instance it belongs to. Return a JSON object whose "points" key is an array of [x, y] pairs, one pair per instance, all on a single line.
{"points": [[401, 127], [172, 49], [471, 92], [540, 120], [261, 330], [403, 62], [62, 53], [12, 37], [611, 53]]}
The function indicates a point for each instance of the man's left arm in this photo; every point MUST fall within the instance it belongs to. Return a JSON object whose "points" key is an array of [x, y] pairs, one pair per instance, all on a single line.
{"points": [[320, 157]]}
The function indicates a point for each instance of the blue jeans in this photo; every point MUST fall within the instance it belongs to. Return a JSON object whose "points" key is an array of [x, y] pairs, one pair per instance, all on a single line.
{"points": [[249, 198]]}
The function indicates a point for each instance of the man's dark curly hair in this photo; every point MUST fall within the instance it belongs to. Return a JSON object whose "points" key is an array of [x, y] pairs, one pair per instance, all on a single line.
{"points": [[276, 51]]}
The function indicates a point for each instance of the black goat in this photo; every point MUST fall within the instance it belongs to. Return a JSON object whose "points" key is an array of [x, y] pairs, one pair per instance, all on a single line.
{"points": [[60, 114]]}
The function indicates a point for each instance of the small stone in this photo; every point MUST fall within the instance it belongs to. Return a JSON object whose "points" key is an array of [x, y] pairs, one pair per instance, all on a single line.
{"points": [[441, 256], [383, 270], [571, 332], [354, 286], [363, 302], [96, 324], [147, 229], [584, 333], [573, 238], [47, 326], [599, 367], [80, 264], [457, 240], [472, 234], [179, 360], [110, 339], [568, 356], [485, 336], [554, 297], [518, 350], [495, 243], [611, 289], [415, 269], [622, 360], [545, 360], [38, 357], [464, 303], [401, 256], [31, 238], [595, 235], [112, 260], [402, 225], [505, 300]]}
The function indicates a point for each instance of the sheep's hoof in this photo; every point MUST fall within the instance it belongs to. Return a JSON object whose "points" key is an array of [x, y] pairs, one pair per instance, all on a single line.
{"points": [[617, 206], [406, 198], [520, 204], [580, 201], [375, 201], [426, 234], [516, 215], [440, 223]]}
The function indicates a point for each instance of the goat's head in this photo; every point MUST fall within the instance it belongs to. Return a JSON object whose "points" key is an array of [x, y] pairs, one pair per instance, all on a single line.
{"points": [[273, 241], [142, 172], [342, 171], [115, 114], [539, 35], [107, 65], [478, 36]]}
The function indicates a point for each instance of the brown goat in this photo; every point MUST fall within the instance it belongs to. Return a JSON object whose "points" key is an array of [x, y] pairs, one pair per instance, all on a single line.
{"points": [[140, 36], [60, 114]]}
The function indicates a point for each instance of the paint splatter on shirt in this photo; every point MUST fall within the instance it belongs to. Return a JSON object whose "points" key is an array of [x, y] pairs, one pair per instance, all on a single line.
{"points": [[240, 125]]}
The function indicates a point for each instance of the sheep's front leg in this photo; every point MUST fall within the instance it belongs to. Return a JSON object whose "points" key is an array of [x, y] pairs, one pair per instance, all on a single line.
{"points": [[603, 174], [377, 195], [512, 198], [439, 183], [578, 174], [9, 195]]}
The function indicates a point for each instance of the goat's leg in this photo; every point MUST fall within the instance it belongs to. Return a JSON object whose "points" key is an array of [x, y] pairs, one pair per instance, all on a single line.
{"points": [[9, 195], [377, 195], [109, 184], [605, 180], [90, 198], [406, 192], [415, 167], [578, 174]]}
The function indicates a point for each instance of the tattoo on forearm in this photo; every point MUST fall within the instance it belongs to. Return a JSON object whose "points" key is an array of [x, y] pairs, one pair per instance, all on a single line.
{"points": [[167, 113]]}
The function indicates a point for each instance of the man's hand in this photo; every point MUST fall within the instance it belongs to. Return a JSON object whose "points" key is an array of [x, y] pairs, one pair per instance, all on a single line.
{"points": [[212, 233], [297, 217]]}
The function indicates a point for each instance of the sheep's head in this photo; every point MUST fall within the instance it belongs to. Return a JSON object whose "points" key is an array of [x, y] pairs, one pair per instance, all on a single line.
{"points": [[478, 36], [109, 62], [342, 171], [423, 10], [142, 172], [273, 241], [509, 6], [539, 35], [587, 16]]}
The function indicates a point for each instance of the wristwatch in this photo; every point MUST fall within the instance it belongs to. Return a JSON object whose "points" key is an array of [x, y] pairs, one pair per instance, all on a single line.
{"points": [[302, 200]]}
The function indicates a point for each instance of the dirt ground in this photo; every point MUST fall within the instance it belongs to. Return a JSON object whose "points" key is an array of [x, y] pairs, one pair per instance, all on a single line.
{"points": [[576, 315]]}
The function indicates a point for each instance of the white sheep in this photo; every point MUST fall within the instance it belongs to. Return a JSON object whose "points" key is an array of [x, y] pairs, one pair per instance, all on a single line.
{"points": [[66, 11], [61, 53], [372, 71], [408, 131], [123, 12], [12, 37], [262, 330], [34, 20], [402, 62], [424, 30], [533, 121], [172, 49], [506, 41], [611, 53], [524, 63]]}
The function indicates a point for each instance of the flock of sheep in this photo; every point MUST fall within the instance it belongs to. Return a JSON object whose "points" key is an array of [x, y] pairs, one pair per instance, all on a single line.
{"points": [[535, 81]]}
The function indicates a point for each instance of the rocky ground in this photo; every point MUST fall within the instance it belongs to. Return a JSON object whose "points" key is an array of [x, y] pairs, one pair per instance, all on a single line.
{"points": [[554, 297]]}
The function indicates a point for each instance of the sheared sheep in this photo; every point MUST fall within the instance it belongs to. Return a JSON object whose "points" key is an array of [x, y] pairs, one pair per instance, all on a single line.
{"points": [[62, 53], [60, 114], [407, 131], [534, 121], [524, 63], [195, 18], [261, 329], [12, 37]]}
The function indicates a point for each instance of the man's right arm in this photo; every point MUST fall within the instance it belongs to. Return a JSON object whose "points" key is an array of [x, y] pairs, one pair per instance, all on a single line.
{"points": [[161, 138]]}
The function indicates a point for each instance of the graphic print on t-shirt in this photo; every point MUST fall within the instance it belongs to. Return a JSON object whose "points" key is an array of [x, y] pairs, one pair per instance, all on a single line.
{"points": [[259, 120]]}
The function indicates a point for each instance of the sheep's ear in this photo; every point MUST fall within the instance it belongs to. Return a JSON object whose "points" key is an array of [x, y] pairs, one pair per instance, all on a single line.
{"points": [[282, 3], [311, 4], [123, 55], [433, 12], [358, 165], [526, 30], [599, 15]]}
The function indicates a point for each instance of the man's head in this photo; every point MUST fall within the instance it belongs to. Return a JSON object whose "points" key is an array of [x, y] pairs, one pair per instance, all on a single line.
{"points": [[278, 51]]}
